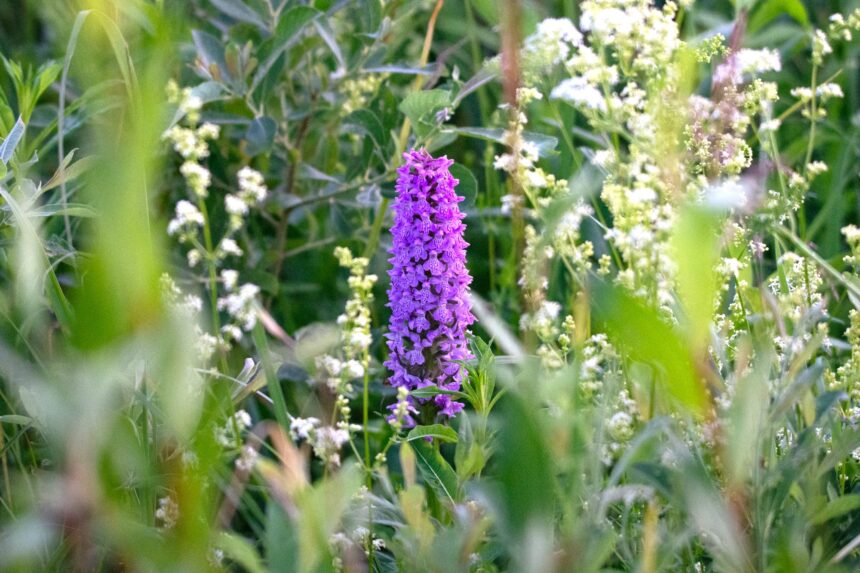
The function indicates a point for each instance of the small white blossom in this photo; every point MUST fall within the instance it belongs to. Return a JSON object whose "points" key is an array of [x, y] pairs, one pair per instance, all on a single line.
{"points": [[230, 278], [197, 177], [167, 512], [580, 93], [302, 428], [240, 305], [187, 216]]}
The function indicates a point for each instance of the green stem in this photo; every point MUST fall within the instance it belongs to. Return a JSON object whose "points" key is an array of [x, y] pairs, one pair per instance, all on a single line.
{"points": [[376, 229], [280, 403], [213, 279], [365, 418]]}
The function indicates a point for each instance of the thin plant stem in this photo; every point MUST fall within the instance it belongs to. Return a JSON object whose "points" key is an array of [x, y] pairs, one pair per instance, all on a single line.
{"points": [[376, 227], [213, 279]]}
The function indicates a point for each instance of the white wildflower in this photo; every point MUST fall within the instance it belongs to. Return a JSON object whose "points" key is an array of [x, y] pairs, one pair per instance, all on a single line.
{"points": [[187, 216], [580, 93], [228, 246], [303, 428], [167, 512]]}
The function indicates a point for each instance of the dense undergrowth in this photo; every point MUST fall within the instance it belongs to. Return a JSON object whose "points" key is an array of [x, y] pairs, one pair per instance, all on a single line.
{"points": [[251, 320]]}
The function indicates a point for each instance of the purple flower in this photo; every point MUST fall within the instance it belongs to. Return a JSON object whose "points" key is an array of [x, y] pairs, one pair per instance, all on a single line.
{"points": [[429, 293]]}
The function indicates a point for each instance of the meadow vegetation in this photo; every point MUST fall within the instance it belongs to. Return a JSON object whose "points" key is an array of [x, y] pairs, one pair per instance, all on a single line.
{"points": [[427, 286]]}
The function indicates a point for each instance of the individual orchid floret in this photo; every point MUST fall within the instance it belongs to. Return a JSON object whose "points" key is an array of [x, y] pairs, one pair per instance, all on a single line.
{"points": [[429, 293]]}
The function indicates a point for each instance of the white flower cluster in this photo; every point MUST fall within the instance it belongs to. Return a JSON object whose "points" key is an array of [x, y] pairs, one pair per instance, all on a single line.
{"points": [[191, 142], [326, 441], [168, 512], [230, 434], [247, 459], [241, 306], [543, 320], [620, 427], [550, 45], [624, 58], [338, 372], [757, 62], [579, 93], [847, 376], [361, 539], [646, 38], [191, 224], [355, 321], [843, 28], [187, 221], [797, 286], [852, 237], [252, 192], [598, 362], [188, 307]]}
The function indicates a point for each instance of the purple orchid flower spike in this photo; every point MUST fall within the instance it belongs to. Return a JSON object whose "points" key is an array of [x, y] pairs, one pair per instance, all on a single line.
{"points": [[429, 293]]}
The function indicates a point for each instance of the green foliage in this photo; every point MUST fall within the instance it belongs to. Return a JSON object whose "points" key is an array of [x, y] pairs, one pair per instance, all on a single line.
{"points": [[191, 373]]}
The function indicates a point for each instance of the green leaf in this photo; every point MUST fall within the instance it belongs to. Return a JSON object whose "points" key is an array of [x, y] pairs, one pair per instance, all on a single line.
{"points": [[546, 144], [7, 148], [368, 123], [260, 136], [421, 108], [436, 431], [16, 420], [48, 74], [524, 465], [70, 172], [206, 92], [401, 69], [281, 543], [59, 303], [292, 22], [321, 508], [772, 9], [71, 209], [645, 337], [836, 508], [437, 472], [430, 391], [328, 36], [211, 51], [696, 251], [240, 551], [370, 13], [240, 11], [483, 76], [295, 373], [467, 186]]}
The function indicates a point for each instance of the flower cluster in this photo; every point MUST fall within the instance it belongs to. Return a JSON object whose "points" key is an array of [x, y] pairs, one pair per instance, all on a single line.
{"points": [[189, 307], [338, 371], [429, 293], [230, 434], [622, 56], [358, 90], [167, 513], [191, 224], [355, 321], [620, 71], [326, 441]]}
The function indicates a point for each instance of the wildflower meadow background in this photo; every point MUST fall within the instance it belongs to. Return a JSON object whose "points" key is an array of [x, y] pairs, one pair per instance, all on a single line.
{"points": [[426, 286]]}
